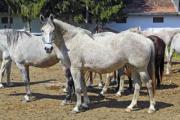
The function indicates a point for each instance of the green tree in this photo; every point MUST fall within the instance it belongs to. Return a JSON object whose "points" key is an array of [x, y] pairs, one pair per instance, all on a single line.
{"points": [[27, 9], [84, 10]]}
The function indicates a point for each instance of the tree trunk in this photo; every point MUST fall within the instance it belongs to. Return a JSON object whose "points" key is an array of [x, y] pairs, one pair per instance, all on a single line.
{"points": [[29, 26], [87, 14], [9, 17]]}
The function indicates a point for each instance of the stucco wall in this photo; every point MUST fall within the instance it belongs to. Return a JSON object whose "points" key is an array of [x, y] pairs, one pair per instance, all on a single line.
{"points": [[145, 22], [19, 24]]}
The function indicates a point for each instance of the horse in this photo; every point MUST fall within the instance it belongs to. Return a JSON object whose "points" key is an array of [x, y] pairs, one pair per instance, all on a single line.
{"points": [[174, 47], [116, 75], [166, 34], [5, 68], [120, 76], [22, 48], [78, 50], [159, 57], [160, 47]]}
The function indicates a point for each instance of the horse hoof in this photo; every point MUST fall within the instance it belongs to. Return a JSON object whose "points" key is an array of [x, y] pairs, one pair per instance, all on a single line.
{"points": [[28, 98], [65, 90], [100, 86], [75, 110], [101, 95], [25, 101], [85, 106], [167, 73], [128, 110], [1, 86], [65, 102], [151, 111], [118, 94]]}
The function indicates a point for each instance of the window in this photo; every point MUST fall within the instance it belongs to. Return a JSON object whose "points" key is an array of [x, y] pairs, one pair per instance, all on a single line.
{"points": [[4, 20], [121, 20], [158, 19]]}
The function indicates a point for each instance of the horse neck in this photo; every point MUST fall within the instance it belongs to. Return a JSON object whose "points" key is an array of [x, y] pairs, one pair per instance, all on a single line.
{"points": [[64, 26]]}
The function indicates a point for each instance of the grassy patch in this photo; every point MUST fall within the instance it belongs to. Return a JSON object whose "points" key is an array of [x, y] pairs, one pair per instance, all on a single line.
{"points": [[176, 57]]}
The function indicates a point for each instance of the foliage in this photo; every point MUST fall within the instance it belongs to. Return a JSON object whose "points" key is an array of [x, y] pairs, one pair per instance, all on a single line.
{"points": [[77, 10], [27, 9]]}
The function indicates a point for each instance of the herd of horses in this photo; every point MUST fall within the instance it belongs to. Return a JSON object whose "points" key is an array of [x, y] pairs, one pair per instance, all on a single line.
{"points": [[140, 53]]}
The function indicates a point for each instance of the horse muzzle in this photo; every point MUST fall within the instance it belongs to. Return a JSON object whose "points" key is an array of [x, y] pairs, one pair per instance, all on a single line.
{"points": [[48, 48]]}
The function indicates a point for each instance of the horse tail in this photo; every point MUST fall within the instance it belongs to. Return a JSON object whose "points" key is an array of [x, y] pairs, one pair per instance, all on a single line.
{"points": [[151, 69]]}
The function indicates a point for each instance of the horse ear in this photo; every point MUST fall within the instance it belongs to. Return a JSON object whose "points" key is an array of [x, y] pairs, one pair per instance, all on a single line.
{"points": [[42, 19], [51, 17]]}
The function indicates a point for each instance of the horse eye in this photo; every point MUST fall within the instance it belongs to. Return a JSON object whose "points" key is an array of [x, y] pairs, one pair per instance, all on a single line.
{"points": [[42, 31]]}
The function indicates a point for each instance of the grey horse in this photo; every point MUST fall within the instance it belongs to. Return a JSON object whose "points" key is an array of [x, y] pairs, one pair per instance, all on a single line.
{"points": [[174, 47], [22, 48], [79, 51]]}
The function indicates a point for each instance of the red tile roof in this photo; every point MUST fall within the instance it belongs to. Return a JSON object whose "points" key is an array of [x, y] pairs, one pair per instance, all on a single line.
{"points": [[150, 6]]}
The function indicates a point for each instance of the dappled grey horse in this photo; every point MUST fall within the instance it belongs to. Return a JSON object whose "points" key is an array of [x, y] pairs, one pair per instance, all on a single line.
{"points": [[166, 34], [78, 50], [5, 67], [174, 47], [23, 48]]}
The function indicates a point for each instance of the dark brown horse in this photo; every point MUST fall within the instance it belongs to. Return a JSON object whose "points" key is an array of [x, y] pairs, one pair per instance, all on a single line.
{"points": [[159, 57]]}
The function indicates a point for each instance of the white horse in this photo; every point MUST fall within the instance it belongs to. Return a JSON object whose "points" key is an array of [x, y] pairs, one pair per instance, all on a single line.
{"points": [[166, 34], [174, 47], [5, 67], [23, 48], [6, 63], [79, 51]]}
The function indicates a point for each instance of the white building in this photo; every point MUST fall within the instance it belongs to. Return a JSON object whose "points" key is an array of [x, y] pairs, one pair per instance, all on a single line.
{"points": [[143, 13], [16, 21], [148, 14]]}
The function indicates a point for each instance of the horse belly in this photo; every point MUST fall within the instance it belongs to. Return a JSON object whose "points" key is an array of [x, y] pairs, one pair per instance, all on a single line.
{"points": [[45, 62], [104, 66]]}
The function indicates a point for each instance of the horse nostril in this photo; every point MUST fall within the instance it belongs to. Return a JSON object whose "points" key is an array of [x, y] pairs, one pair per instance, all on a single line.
{"points": [[51, 48]]}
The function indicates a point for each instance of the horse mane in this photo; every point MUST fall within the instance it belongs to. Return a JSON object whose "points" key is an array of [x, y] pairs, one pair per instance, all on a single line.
{"points": [[14, 35], [70, 28]]}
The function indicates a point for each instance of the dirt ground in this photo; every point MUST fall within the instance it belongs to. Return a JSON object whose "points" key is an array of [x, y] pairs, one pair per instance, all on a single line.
{"points": [[47, 105]]}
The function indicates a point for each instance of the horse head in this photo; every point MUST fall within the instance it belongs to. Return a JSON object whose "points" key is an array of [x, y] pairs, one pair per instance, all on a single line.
{"points": [[47, 32]]}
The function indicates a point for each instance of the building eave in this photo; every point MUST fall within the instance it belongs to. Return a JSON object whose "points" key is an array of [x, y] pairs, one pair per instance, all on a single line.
{"points": [[154, 14]]}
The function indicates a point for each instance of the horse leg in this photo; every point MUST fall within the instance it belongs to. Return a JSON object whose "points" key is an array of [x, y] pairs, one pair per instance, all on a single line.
{"points": [[169, 61], [25, 75], [76, 74], [4, 66], [151, 97], [121, 86], [114, 78], [90, 79], [128, 73], [108, 80], [120, 78], [84, 90], [167, 52], [70, 86], [100, 85], [130, 83], [8, 72], [137, 84]]}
